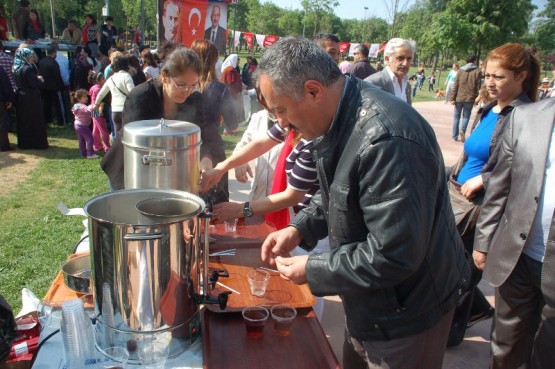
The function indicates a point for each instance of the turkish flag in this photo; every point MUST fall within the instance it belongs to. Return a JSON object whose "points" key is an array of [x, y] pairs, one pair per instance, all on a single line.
{"points": [[343, 46], [249, 38], [270, 39], [191, 21]]}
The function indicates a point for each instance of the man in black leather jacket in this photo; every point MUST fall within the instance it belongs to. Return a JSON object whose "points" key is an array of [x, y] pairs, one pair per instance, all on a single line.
{"points": [[396, 259]]}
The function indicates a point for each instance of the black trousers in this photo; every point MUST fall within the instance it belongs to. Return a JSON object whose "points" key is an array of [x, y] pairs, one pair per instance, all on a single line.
{"points": [[53, 98], [473, 301], [4, 119]]}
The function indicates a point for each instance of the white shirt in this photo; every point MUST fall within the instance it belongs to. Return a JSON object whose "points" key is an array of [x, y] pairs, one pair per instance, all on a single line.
{"points": [[119, 84], [265, 164], [63, 62], [400, 91], [537, 239]]}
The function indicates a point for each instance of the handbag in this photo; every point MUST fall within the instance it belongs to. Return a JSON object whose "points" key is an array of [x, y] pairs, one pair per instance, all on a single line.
{"points": [[465, 211]]}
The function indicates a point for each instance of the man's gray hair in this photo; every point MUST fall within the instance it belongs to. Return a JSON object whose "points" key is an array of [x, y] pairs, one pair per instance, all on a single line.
{"points": [[394, 43], [292, 61]]}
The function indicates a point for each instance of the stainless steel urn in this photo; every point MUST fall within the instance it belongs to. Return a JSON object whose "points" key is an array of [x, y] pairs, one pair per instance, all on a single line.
{"points": [[162, 154]]}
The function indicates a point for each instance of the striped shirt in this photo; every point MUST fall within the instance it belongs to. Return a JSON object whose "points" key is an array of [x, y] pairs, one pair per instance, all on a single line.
{"points": [[299, 166], [6, 62]]}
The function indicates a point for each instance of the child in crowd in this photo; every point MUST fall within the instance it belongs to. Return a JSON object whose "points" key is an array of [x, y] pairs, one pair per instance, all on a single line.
{"points": [[101, 138], [431, 82], [83, 115], [483, 97]]}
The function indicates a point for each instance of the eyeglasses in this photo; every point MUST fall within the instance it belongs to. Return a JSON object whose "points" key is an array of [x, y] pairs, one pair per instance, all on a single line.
{"points": [[184, 87]]}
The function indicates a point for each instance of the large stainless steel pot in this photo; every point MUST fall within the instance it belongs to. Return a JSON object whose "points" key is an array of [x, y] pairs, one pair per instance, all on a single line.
{"points": [[146, 264], [161, 154]]}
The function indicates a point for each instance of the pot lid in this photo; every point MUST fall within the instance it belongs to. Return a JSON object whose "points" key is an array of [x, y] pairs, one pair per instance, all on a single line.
{"points": [[161, 134]]}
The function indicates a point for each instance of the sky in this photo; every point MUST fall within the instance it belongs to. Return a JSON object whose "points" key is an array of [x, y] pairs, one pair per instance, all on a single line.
{"points": [[354, 9]]}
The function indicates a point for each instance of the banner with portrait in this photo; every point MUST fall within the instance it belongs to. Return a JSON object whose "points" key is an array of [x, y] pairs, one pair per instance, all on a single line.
{"points": [[187, 20]]}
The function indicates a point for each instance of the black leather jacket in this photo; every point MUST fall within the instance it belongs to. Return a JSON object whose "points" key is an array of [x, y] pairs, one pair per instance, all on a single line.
{"points": [[396, 258]]}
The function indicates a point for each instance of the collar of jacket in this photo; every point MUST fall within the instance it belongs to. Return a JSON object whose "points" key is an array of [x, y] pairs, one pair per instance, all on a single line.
{"points": [[520, 99], [351, 98]]}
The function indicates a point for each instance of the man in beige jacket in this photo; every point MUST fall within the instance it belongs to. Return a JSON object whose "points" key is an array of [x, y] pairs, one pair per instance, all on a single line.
{"points": [[465, 90]]}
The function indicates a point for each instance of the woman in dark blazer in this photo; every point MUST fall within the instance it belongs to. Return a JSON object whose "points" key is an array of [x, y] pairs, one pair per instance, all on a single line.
{"points": [[171, 96]]}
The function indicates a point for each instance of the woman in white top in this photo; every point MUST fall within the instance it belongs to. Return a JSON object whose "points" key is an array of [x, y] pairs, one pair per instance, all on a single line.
{"points": [[150, 69], [119, 85]]}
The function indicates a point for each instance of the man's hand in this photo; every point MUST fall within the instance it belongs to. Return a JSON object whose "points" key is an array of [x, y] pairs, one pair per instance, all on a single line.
{"points": [[479, 259], [293, 268], [472, 186], [279, 243], [243, 172], [209, 178], [227, 210], [9, 105]]}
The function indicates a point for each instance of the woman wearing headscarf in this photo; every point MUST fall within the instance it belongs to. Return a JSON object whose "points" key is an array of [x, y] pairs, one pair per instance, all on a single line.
{"points": [[232, 79], [31, 127], [219, 106]]}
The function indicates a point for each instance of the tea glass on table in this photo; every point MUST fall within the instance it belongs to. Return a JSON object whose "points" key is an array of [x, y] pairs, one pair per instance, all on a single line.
{"points": [[258, 280], [283, 317], [231, 225], [255, 318]]}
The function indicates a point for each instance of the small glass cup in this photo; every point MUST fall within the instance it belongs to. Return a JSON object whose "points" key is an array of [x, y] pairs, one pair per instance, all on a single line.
{"points": [[231, 225], [258, 280], [283, 316], [153, 354], [255, 318]]}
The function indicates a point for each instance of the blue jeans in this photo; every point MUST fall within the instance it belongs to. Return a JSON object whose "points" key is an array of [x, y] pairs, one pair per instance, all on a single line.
{"points": [[466, 108]]}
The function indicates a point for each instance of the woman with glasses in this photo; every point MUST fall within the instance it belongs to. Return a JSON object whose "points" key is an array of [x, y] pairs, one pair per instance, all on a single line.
{"points": [[173, 95], [219, 108]]}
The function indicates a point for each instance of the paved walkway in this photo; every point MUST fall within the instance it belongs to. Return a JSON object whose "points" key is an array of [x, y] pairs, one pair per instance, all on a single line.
{"points": [[473, 353]]}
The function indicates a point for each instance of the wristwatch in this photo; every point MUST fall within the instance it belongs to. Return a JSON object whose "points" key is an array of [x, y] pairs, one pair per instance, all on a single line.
{"points": [[247, 211]]}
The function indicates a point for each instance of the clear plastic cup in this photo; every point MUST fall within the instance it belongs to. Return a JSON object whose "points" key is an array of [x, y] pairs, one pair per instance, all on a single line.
{"points": [[255, 318], [231, 225], [258, 280], [114, 357], [153, 354], [283, 317]]}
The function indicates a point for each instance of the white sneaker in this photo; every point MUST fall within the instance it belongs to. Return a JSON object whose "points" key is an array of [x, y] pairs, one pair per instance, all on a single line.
{"points": [[93, 156]]}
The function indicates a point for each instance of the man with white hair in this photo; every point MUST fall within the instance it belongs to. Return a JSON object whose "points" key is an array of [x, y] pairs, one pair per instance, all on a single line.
{"points": [[393, 78]]}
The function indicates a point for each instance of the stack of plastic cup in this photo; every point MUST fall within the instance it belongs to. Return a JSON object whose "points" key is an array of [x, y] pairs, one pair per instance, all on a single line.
{"points": [[77, 336]]}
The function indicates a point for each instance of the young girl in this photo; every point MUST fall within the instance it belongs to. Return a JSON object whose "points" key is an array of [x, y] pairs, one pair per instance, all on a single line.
{"points": [[101, 139], [83, 115]]}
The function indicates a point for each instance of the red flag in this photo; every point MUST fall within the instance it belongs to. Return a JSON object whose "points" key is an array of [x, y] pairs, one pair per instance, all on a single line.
{"points": [[270, 39], [382, 48], [249, 38], [343, 46], [367, 44], [191, 21], [280, 218]]}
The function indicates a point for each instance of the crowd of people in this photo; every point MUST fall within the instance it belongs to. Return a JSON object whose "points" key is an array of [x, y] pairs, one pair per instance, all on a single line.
{"points": [[379, 219]]}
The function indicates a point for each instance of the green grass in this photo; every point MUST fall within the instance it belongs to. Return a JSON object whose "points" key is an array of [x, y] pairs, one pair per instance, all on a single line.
{"points": [[35, 238]]}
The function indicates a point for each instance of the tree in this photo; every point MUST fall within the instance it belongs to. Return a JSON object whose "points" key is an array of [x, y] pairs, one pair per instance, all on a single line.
{"points": [[545, 30], [394, 9], [487, 23], [316, 11]]}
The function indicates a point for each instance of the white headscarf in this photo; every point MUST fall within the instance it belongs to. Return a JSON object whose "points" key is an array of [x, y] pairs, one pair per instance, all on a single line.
{"points": [[230, 61]]}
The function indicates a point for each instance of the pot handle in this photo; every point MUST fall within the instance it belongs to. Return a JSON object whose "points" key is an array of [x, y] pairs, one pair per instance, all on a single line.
{"points": [[142, 236]]}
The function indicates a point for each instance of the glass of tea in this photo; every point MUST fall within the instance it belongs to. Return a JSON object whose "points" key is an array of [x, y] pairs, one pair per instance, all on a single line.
{"points": [[255, 317], [283, 317]]}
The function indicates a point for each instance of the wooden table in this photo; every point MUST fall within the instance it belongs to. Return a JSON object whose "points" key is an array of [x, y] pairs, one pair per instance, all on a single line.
{"points": [[224, 340]]}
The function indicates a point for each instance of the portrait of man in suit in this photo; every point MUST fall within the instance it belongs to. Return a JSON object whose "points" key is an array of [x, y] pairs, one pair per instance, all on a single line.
{"points": [[216, 33], [170, 19]]}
